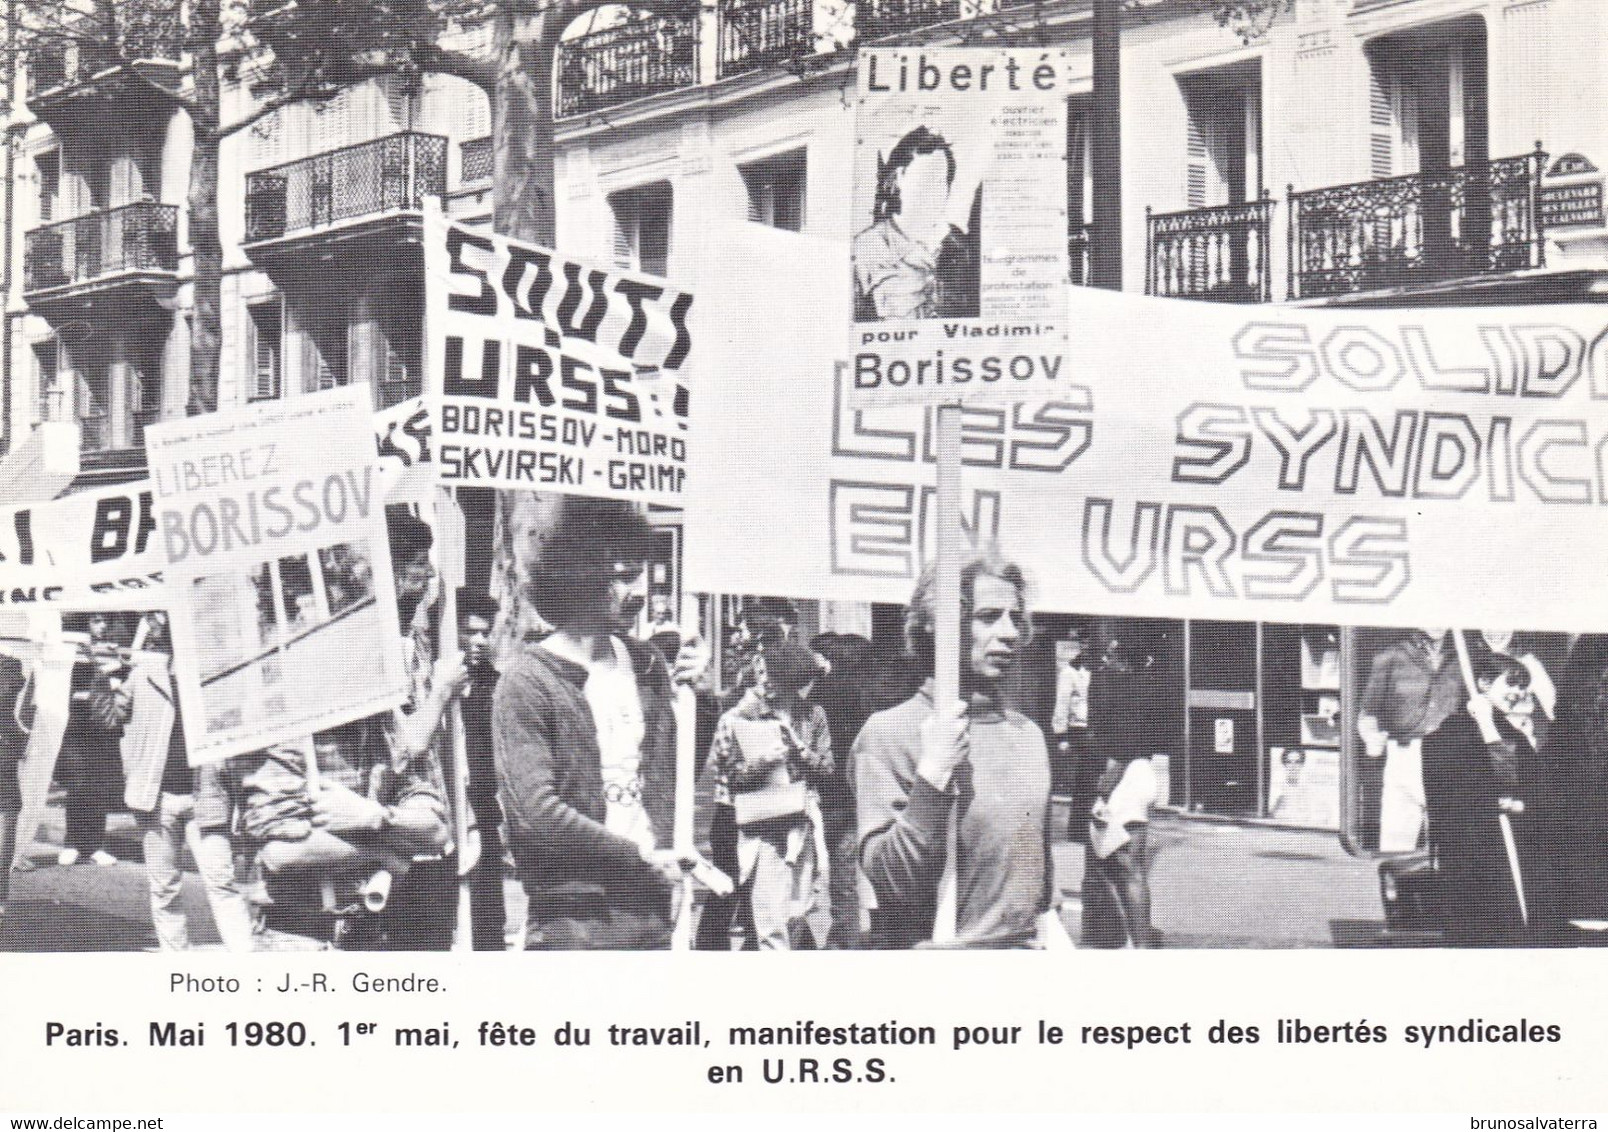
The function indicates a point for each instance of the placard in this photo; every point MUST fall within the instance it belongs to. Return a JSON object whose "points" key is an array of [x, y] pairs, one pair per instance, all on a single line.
{"points": [[549, 373], [272, 521], [959, 206]]}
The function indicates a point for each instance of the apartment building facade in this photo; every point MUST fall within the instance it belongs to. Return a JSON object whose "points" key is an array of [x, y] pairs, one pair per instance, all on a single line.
{"points": [[1360, 151]]}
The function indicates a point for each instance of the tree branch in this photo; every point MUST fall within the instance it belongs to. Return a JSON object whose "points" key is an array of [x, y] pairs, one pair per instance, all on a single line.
{"points": [[446, 61], [305, 91]]}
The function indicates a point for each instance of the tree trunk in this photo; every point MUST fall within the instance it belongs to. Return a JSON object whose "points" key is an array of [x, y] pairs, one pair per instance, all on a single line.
{"points": [[206, 325], [522, 126], [1105, 166], [523, 207]]}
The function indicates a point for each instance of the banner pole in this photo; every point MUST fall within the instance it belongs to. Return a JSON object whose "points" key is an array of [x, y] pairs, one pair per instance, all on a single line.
{"points": [[682, 841], [450, 525], [946, 640]]}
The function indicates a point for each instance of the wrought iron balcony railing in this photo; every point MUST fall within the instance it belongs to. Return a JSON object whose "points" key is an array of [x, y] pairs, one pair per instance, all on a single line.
{"points": [[136, 237], [755, 34], [75, 54], [475, 160], [1217, 254], [1480, 219], [1077, 249], [877, 18], [390, 173], [647, 55]]}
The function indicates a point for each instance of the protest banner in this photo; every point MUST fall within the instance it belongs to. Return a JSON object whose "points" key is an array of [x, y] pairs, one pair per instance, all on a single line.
{"points": [[959, 207], [93, 550], [1370, 467], [545, 372], [272, 522]]}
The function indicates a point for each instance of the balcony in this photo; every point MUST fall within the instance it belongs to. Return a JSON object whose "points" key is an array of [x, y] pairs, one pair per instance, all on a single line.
{"points": [[1403, 232], [875, 19], [72, 266], [1212, 254], [72, 79], [475, 158], [343, 204], [755, 34], [646, 56]]}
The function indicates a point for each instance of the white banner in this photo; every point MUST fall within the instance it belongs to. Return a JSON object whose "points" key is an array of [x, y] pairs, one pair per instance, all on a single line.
{"points": [[1445, 466], [272, 521], [545, 372], [959, 206], [93, 550]]}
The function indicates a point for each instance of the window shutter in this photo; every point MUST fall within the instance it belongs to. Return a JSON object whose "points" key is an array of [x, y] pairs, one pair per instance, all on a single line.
{"points": [[626, 231], [1195, 171], [88, 407], [1381, 123], [49, 184], [653, 235]]}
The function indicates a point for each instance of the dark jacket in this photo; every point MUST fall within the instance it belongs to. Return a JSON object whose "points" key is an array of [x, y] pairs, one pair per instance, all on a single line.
{"points": [[550, 772], [1462, 785]]}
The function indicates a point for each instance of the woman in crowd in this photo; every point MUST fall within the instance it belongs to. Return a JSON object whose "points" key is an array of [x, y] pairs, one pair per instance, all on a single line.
{"points": [[770, 755]]}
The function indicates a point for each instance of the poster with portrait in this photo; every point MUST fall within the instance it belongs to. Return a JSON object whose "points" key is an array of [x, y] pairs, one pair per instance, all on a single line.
{"points": [[272, 521], [960, 239]]}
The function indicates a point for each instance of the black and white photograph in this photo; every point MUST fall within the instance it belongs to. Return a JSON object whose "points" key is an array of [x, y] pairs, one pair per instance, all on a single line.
{"points": [[855, 477]]}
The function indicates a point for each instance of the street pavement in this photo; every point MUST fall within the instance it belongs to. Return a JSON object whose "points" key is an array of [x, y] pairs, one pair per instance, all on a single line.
{"points": [[1214, 885]]}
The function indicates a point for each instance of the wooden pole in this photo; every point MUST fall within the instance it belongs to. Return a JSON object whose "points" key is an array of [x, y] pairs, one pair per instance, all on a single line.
{"points": [[686, 712], [948, 539], [451, 539]]}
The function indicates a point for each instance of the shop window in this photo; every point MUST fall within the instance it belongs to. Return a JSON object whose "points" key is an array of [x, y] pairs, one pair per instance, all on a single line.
{"points": [[265, 349], [776, 190], [642, 228]]}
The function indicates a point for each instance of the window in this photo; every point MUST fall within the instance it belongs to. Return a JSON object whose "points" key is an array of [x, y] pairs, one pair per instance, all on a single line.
{"points": [[265, 349], [398, 369], [1428, 100], [776, 188], [49, 164], [642, 228], [1223, 162], [46, 370], [92, 404]]}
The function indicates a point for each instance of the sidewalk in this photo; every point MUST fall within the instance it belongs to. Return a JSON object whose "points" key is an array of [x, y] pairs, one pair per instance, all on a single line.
{"points": [[1213, 884]]}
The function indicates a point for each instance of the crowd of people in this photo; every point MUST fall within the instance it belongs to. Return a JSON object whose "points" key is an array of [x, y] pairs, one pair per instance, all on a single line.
{"points": [[837, 791]]}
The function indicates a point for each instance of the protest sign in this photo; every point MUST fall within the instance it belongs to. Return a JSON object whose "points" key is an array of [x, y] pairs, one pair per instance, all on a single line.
{"points": [[272, 522], [547, 372], [1368, 467], [959, 206]]}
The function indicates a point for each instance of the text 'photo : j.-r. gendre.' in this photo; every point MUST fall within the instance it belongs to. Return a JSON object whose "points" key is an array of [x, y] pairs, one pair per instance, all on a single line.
{"points": [[875, 511]]}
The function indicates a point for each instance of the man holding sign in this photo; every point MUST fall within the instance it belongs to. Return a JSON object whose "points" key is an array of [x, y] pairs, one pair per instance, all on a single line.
{"points": [[921, 766], [585, 741]]}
